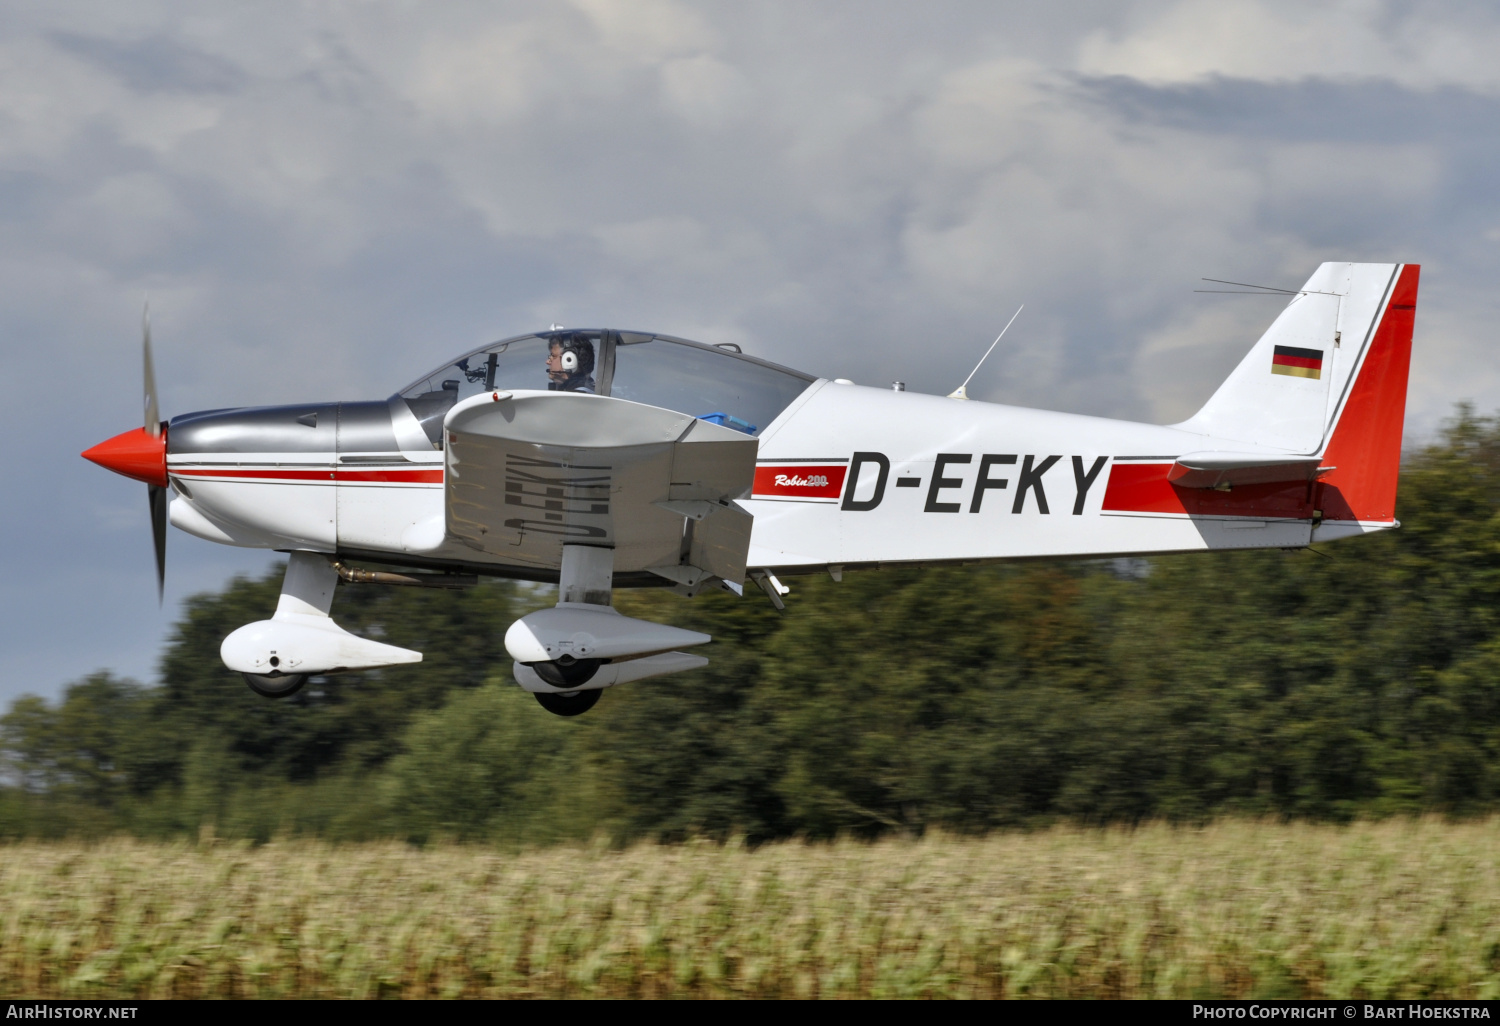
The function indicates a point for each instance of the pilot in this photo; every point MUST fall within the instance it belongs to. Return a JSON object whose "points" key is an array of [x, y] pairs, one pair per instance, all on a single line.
{"points": [[570, 365]]}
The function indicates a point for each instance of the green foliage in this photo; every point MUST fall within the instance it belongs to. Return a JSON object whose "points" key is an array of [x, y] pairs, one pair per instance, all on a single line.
{"points": [[354, 717], [1359, 681], [201, 748], [486, 766]]}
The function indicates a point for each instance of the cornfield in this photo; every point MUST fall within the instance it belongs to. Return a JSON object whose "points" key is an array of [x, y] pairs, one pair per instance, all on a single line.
{"points": [[1237, 909]]}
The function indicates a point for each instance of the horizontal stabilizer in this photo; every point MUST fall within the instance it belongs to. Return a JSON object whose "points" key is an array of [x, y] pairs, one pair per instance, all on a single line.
{"points": [[1228, 469]]}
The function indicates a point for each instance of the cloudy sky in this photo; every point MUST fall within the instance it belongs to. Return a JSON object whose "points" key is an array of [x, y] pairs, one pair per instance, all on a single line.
{"points": [[325, 200]]}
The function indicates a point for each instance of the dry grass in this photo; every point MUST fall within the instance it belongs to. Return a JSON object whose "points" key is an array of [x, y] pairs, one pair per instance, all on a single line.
{"points": [[1397, 909]]}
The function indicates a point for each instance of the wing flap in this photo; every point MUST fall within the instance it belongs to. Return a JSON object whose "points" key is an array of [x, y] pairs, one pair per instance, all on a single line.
{"points": [[712, 463], [721, 543]]}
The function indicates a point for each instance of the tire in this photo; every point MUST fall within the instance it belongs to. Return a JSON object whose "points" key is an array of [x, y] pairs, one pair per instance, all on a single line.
{"points": [[282, 685], [574, 704], [568, 672]]}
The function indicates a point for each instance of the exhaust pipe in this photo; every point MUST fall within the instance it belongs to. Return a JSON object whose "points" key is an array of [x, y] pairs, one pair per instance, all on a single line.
{"points": [[354, 575]]}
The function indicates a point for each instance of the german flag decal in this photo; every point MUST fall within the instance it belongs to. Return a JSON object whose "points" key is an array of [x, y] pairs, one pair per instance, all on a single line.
{"points": [[1297, 363]]}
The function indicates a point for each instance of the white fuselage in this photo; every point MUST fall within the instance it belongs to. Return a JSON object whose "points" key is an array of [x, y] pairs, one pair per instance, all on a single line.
{"points": [[1053, 484]]}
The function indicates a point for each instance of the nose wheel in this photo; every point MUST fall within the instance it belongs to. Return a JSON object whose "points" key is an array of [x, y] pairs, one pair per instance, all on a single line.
{"points": [[567, 703], [282, 685]]}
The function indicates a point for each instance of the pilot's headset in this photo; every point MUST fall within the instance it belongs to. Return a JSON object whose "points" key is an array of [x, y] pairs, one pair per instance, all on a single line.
{"points": [[576, 359]]}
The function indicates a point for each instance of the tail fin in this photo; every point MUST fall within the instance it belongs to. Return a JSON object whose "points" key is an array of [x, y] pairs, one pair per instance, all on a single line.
{"points": [[1329, 379]]}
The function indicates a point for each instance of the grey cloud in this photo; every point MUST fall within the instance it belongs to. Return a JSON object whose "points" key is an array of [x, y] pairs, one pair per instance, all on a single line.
{"points": [[1357, 164], [156, 63], [1305, 110]]}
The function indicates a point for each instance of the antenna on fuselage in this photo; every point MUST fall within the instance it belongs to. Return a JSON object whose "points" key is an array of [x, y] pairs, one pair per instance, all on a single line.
{"points": [[961, 391]]}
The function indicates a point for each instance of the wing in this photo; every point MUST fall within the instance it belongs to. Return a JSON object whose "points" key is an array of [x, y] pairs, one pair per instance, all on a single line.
{"points": [[528, 472]]}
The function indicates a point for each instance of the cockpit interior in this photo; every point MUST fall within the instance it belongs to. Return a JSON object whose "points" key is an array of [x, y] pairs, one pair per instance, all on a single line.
{"points": [[714, 383]]}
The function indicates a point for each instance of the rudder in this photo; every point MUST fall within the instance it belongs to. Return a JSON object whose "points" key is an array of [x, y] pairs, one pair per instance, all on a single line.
{"points": [[1367, 420]]}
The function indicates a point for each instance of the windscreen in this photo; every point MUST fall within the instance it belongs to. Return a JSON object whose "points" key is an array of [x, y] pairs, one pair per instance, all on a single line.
{"points": [[705, 383], [562, 361], [702, 381]]}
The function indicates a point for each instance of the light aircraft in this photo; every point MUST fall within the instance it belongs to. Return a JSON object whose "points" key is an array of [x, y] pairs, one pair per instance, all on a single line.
{"points": [[599, 459]]}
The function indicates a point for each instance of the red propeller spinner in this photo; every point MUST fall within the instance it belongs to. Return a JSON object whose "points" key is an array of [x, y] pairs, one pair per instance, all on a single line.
{"points": [[136, 453]]}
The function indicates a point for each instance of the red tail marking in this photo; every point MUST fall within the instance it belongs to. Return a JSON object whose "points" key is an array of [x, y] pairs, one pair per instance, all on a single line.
{"points": [[1366, 443]]}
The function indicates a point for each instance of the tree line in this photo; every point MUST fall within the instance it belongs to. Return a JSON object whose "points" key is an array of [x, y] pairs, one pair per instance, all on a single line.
{"points": [[1356, 680]]}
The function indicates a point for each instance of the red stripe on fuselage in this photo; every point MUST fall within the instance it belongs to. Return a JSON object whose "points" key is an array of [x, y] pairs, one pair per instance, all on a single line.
{"points": [[395, 476], [376, 476]]}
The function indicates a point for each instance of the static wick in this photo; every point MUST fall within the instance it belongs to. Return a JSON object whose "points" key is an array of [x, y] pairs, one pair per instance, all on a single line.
{"points": [[961, 392]]}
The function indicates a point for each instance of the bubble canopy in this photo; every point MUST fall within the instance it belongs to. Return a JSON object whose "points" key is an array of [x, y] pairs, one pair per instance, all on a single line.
{"points": [[712, 383]]}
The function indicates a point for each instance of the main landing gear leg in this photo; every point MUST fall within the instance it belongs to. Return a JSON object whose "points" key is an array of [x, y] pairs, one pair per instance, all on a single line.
{"points": [[586, 578], [567, 654], [276, 656], [306, 590]]}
